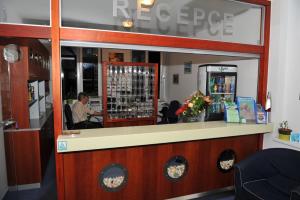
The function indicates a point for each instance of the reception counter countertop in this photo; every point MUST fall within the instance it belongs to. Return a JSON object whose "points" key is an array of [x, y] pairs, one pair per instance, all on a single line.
{"points": [[106, 138]]}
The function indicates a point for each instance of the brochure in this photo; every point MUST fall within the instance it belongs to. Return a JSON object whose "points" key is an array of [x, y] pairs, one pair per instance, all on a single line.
{"points": [[261, 115], [246, 107], [231, 112]]}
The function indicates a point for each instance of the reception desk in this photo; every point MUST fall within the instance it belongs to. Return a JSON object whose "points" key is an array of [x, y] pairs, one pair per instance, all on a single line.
{"points": [[155, 162]]}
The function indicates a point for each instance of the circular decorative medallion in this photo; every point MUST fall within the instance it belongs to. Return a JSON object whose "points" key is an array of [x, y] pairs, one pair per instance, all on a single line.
{"points": [[113, 177], [176, 168], [226, 160]]}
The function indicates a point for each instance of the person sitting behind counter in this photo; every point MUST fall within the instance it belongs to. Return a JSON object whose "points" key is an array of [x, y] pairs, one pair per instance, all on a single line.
{"points": [[80, 112]]}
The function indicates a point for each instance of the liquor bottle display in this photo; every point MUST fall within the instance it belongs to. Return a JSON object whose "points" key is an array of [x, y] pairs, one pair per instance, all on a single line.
{"points": [[129, 91]]}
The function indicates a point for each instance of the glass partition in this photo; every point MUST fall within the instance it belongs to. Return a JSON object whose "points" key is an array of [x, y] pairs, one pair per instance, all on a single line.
{"points": [[126, 95], [219, 20], [35, 12]]}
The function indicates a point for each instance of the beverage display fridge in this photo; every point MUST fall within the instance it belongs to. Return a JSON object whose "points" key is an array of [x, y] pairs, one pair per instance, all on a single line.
{"points": [[219, 82]]}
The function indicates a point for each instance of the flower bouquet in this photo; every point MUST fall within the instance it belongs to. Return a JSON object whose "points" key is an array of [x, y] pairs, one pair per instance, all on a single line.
{"points": [[194, 107]]}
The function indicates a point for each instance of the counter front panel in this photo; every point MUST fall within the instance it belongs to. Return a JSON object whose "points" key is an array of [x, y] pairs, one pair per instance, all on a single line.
{"points": [[146, 169]]}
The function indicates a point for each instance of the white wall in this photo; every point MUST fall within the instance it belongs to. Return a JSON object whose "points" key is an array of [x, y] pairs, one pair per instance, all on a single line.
{"points": [[284, 70], [247, 74], [3, 177], [247, 77]]}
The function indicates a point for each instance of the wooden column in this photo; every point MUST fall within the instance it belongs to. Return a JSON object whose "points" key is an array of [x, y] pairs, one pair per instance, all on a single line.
{"points": [[56, 85], [264, 62]]}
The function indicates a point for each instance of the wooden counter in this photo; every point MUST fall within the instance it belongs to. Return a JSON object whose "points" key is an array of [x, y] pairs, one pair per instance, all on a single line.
{"points": [[28, 151], [144, 152]]}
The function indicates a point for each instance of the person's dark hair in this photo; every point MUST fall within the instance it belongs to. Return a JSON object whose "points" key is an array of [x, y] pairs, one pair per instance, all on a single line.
{"points": [[81, 95]]}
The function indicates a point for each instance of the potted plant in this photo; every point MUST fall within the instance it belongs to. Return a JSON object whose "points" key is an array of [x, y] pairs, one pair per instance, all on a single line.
{"points": [[284, 131], [194, 107]]}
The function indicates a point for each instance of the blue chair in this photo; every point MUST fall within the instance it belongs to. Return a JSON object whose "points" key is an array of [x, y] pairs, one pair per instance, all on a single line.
{"points": [[270, 174]]}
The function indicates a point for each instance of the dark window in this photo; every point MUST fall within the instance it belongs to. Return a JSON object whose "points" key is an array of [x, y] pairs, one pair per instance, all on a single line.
{"points": [[69, 74], [154, 57], [90, 71]]}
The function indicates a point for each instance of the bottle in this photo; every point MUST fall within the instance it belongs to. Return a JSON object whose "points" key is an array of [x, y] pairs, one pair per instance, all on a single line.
{"points": [[215, 87], [32, 93], [29, 93], [268, 107], [232, 85]]}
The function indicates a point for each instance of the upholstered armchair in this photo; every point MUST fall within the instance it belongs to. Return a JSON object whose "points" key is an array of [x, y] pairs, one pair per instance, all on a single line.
{"points": [[270, 174]]}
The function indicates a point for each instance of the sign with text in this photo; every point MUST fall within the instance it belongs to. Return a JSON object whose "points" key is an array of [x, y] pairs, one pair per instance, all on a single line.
{"points": [[218, 20], [193, 18]]}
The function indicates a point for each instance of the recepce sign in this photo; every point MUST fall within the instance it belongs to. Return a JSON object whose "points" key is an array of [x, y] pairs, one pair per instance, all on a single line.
{"points": [[216, 22]]}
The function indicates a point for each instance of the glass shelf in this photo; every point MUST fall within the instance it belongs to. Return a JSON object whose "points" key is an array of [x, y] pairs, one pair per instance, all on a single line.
{"points": [[215, 93], [30, 103], [41, 97]]}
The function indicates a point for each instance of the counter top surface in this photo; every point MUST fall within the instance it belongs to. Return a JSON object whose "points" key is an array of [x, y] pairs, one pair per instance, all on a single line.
{"points": [[105, 138], [35, 124]]}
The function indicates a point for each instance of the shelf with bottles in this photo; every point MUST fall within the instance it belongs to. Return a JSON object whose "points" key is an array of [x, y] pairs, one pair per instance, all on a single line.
{"points": [[131, 91], [42, 100], [39, 64], [32, 92], [224, 93], [36, 99], [222, 84], [31, 102]]}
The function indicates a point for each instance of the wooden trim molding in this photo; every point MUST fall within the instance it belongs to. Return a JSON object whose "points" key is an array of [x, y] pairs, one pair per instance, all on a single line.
{"points": [[25, 31], [264, 60], [257, 2], [89, 35], [57, 97], [263, 70]]}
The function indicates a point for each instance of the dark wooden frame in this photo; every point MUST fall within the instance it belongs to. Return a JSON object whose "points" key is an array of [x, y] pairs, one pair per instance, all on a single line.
{"points": [[55, 33]]}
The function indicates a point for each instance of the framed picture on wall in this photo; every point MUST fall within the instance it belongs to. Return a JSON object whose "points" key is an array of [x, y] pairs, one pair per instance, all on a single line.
{"points": [[188, 67], [116, 55], [176, 79]]}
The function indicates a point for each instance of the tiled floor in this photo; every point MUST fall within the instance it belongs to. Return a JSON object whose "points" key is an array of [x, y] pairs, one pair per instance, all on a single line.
{"points": [[228, 195]]}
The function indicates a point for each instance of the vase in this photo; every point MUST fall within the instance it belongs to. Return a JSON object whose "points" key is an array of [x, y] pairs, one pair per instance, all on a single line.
{"points": [[198, 118]]}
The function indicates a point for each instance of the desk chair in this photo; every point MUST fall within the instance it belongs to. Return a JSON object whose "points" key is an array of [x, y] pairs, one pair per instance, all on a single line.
{"points": [[82, 125], [69, 117], [171, 113]]}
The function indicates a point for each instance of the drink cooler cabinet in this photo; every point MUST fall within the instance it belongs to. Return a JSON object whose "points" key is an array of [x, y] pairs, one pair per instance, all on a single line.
{"points": [[219, 82], [129, 93]]}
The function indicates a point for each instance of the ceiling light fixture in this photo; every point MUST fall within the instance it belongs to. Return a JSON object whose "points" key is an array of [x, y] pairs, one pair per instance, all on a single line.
{"points": [[128, 23], [148, 2]]}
